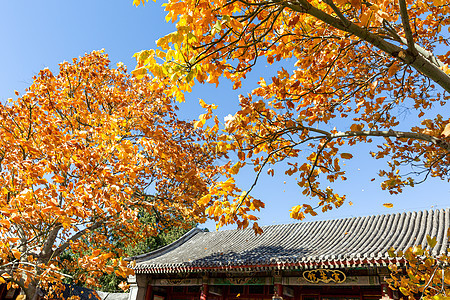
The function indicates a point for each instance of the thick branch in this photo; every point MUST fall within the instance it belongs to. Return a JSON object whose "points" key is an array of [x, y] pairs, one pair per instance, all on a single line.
{"points": [[441, 143], [49, 242], [419, 62], [425, 53], [407, 27], [76, 236], [397, 134]]}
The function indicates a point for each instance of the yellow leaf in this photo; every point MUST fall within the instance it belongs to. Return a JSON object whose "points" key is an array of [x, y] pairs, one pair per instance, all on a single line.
{"points": [[431, 241], [346, 155], [235, 169], [388, 205], [139, 72], [204, 200], [199, 123], [124, 286], [446, 131], [202, 103], [391, 252], [404, 291], [417, 250]]}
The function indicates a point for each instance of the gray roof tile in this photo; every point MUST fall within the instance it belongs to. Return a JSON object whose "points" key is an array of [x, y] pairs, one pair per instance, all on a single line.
{"points": [[334, 243]]}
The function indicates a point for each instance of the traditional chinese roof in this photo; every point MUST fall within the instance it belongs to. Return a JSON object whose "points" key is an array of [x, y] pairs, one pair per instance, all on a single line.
{"points": [[350, 242]]}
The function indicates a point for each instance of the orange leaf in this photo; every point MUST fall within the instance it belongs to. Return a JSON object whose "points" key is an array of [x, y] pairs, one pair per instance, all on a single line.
{"points": [[356, 3], [202, 103], [241, 155], [346, 155], [388, 205], [58, 179], [365, 18], [138, 2], [393, 69], [5, 223], [356, 127], [16, 253]]}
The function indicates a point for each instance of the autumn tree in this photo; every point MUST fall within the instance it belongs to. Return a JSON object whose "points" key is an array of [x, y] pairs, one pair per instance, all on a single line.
{"points": [[355, 61], [166, 234], [427, 274], [81, 154], [349, 68]]}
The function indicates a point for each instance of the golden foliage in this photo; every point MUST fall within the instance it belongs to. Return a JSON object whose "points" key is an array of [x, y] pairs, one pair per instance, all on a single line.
{"points": [[426, 273], [81, 153], [352, 64]]}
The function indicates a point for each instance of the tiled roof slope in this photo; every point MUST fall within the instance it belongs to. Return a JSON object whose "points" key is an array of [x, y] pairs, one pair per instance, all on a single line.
{"points": [[337, 243]]}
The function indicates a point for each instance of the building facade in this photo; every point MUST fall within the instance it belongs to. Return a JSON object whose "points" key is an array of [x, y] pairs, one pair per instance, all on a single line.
{"points": [[322, 260]]}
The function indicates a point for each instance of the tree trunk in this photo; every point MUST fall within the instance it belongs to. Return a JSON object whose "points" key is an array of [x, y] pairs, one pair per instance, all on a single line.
{"points": [[31, 292]]}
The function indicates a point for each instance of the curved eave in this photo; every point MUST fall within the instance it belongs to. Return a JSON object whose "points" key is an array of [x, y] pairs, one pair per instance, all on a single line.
{"points": [[330, 264], [165, 249]]}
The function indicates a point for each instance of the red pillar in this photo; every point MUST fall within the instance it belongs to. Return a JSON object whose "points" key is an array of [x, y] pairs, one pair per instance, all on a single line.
{"points": [[279, 289], [149, 293], [386, 291], [204, 293]]}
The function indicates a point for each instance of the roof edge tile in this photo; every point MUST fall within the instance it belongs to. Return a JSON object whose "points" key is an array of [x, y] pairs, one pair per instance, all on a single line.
{"points": [[160, 251]]}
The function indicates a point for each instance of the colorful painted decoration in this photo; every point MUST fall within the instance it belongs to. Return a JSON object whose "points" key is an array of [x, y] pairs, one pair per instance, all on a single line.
{"points": [[315, 276]]}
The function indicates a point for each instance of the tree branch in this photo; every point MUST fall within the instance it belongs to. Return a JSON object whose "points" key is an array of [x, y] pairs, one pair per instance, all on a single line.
{"points": [[397, 134], [407, 27], [76, 236], [419, 62], [50, 241]]}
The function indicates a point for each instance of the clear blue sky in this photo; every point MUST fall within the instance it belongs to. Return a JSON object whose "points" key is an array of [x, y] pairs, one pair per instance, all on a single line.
{"points": [[38, 34]]}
